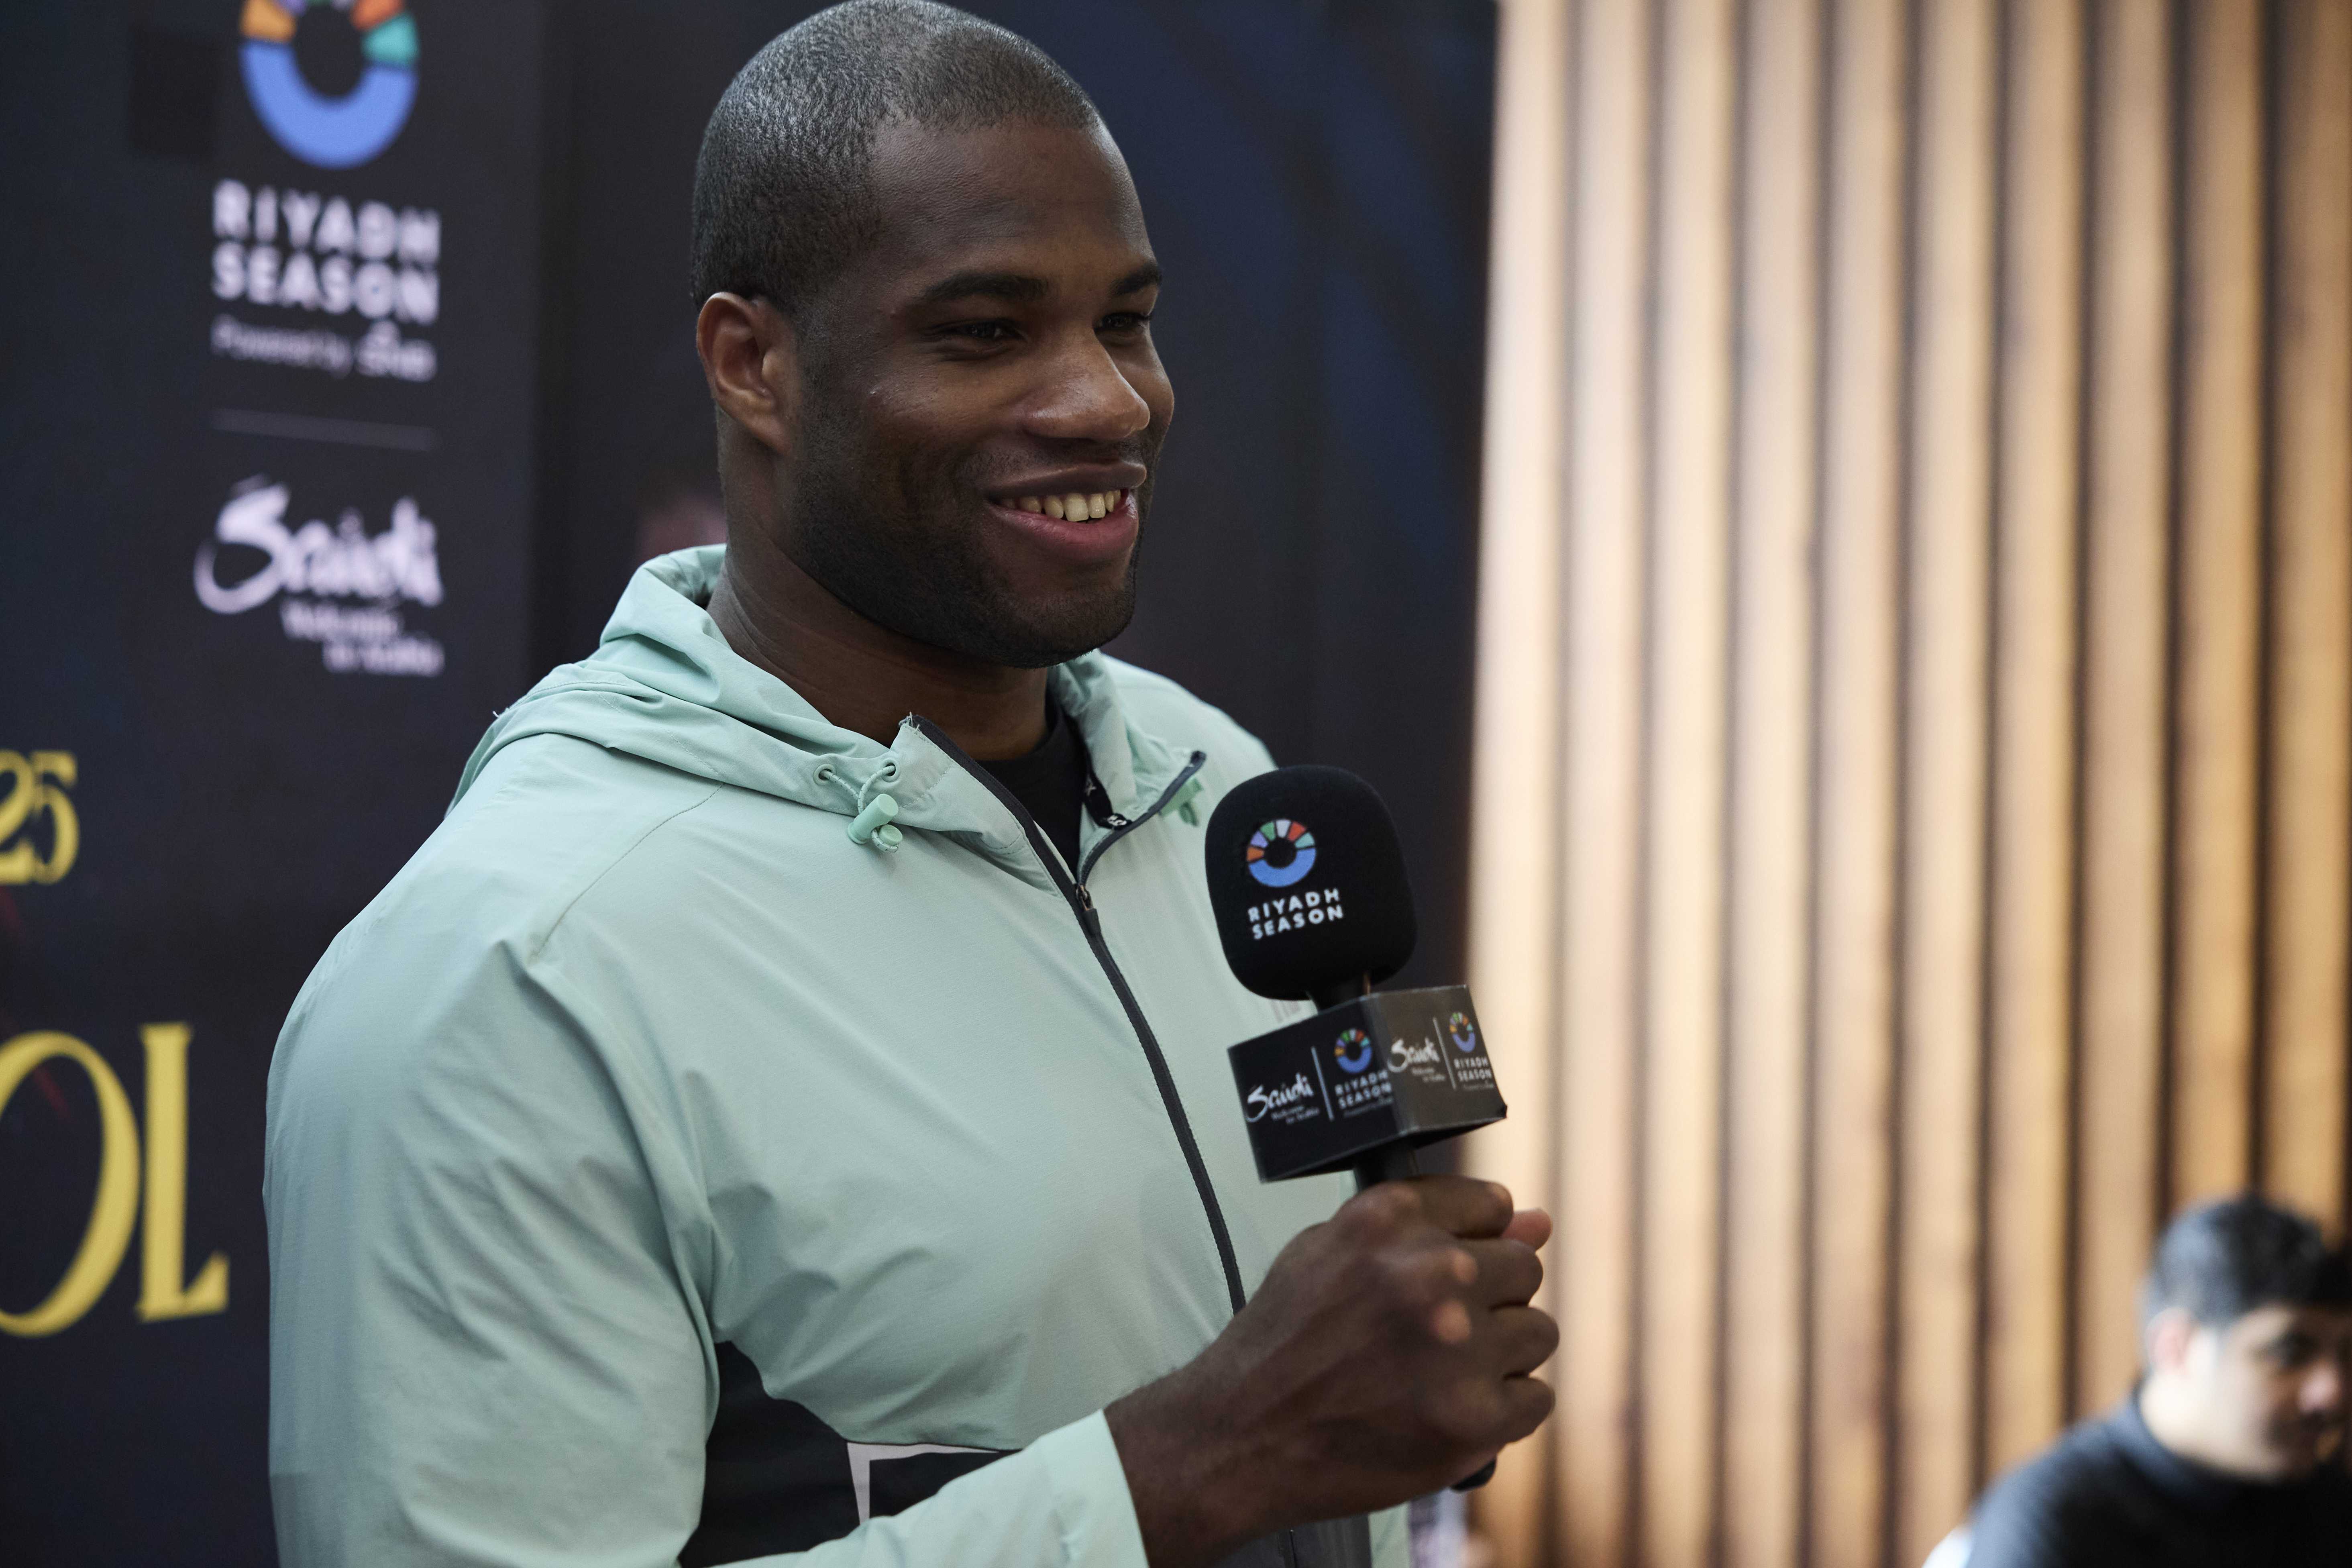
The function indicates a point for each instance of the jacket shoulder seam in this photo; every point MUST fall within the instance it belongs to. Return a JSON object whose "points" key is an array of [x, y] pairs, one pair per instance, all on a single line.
{"points": [[590, 886]]}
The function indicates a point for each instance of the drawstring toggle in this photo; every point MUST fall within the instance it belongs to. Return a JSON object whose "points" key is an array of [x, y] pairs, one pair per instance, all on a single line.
{"points": [[872, 825]]}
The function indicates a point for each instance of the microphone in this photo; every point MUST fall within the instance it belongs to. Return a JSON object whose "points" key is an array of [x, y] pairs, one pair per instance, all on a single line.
{"points": [[1312, 902], [1308, 885]]}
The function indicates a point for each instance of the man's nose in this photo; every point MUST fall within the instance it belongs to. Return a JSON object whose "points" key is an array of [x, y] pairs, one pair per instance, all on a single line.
{"points": [[2324, 1386], [1087, 397]]}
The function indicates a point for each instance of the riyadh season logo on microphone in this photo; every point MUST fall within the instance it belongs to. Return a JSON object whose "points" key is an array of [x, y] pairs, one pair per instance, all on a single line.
{"points": [[1353, 1051], [1280, 853], [344, 131], [1463, 1033]]}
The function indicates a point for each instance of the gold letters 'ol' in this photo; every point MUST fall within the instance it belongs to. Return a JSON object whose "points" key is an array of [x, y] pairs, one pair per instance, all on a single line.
{"points": [[107, 1235]]}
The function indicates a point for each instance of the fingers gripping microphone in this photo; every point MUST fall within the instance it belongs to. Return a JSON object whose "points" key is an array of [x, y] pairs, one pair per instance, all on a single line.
{"points": [[1308, 884]]}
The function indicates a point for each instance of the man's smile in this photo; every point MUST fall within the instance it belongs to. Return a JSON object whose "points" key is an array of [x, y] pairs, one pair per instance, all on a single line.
{"points": [[1077, 506], [1081, 526], [1075, 494]]}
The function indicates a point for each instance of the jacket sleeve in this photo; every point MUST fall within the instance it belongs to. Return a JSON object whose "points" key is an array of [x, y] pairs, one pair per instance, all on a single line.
{"points": [[487, 1337]]}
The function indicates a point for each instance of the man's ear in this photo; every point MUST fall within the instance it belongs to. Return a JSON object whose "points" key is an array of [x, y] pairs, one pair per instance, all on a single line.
{"points": [[750, 359], [2167, 1340]]}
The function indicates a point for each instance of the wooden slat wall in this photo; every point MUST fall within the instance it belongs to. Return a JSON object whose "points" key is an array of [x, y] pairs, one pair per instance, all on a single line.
{"points": [[1775, 465], [1682, 871], [1606, 434], [1514, 808], [1854, 788], [1912, 829], [2308, 914], [2036, 488], [1946, 718], [2126, 595]]}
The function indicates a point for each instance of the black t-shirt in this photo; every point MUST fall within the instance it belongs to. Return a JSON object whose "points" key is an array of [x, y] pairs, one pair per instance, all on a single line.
{"points": [[1051, 782], [2108, 1492]]}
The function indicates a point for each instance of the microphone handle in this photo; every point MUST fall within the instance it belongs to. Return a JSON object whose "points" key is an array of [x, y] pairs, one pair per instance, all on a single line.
{"points": [[1389, 1163], [1394, 1162]]}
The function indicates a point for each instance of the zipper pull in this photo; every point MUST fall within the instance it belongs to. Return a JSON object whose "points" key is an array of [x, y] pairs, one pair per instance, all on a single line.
{"points": [[1099, 807], [1087, 915]]}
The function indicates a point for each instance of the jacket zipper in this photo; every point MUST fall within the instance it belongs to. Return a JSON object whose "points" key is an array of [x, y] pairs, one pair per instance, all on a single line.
{"points": [[1082, 905]]}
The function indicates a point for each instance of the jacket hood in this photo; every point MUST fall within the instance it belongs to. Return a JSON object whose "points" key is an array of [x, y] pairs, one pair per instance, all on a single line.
{"points": [[665, 686]]}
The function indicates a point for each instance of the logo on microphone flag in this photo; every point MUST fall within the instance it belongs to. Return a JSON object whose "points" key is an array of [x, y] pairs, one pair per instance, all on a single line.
{"points": [[1463, 1033], [1280, 853], [1353, 1051]]}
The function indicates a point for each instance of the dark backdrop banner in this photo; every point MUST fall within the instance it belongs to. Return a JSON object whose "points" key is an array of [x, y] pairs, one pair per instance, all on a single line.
{"points": [[348, 373], [267, 471]]}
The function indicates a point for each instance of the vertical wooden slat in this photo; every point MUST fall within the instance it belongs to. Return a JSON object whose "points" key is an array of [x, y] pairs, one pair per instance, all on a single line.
{"points": [[1515, 805], [2218, 690], [1769, 817], [1603, 805], [1949, 547], [1683, 836], [1854, 846], [2309, 929], [2126, 597], [2028, 1008]]}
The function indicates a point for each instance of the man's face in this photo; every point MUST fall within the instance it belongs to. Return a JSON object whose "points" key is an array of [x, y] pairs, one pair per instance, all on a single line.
{"points": [[2269, 1390], [984, 405]]}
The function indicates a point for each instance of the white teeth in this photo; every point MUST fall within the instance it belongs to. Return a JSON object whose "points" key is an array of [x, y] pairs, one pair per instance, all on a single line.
{"points": [[1076, 507]]}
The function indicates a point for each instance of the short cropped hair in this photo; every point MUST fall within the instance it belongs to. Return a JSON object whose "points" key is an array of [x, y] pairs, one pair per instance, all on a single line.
{"points": [[2222, 1260], [784, 197]]}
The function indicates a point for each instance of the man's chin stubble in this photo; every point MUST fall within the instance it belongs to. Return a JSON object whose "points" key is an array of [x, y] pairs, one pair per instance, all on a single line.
{"points": [[1015, 636], [995, 625]]}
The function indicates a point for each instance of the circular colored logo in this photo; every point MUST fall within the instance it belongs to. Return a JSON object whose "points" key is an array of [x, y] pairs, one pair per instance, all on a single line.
{"points": [[1463, 1033], [331, 132], [1354, 1051], [1280, 852]]}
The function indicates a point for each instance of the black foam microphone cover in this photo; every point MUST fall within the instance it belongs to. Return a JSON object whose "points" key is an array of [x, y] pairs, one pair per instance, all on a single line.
{"points": [[1308, 883]]}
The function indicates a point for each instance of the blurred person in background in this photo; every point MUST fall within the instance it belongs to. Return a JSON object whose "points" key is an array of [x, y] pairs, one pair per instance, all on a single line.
{"points": [[2230, 1449]]}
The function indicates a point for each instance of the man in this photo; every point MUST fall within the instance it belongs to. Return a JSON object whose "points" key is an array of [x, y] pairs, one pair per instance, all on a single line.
{"points": [[783, 1108], [2229, 1450]]}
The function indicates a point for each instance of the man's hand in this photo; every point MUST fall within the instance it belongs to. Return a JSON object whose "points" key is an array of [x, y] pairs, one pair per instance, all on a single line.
{"points": [[1385, 1356]]}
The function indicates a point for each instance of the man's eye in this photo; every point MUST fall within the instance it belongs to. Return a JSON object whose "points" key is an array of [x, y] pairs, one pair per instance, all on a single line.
{"points": [[1126, 321], [982, 331]]}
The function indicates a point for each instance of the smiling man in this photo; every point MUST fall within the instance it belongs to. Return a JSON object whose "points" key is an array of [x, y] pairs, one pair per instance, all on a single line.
{"points": [[2230, 1450], [783, 1110]]}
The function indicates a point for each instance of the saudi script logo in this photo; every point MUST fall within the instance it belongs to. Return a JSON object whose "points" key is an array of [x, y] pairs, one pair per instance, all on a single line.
{"points": [[344, 560]]}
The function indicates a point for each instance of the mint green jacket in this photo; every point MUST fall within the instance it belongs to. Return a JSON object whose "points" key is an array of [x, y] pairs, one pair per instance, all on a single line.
{"points": [[686, 1160]]}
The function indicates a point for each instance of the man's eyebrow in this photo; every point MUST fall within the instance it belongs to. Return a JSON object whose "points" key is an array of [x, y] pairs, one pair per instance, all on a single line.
{"points": [[1014, 287], [1144, 276], [1021, 289]]}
